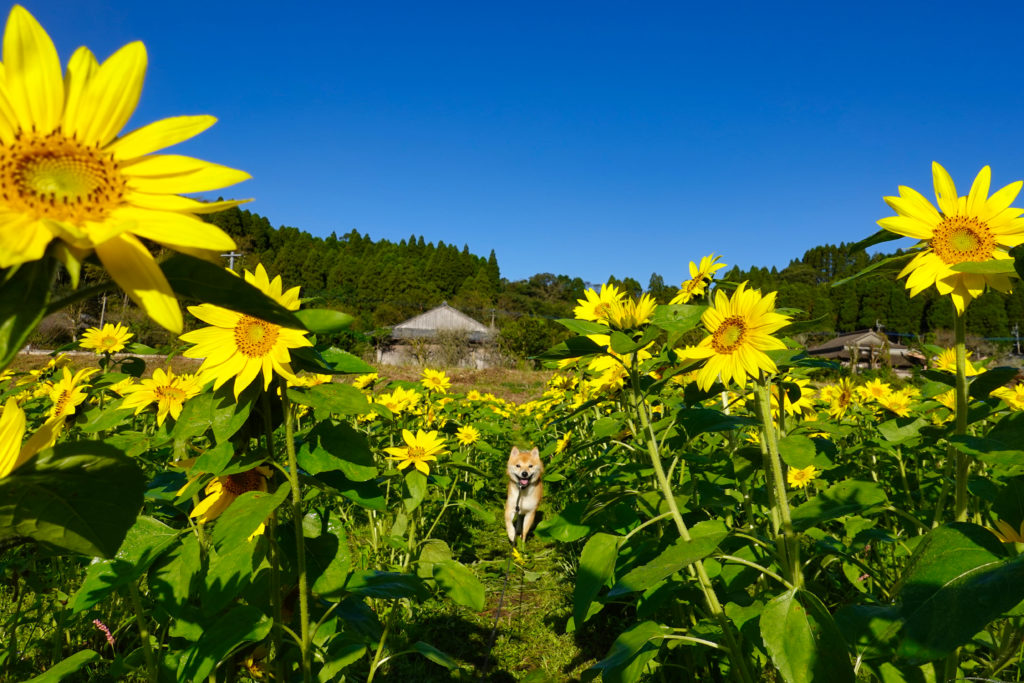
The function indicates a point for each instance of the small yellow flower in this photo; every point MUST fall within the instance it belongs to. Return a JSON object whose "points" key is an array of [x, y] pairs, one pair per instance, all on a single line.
{"points": [[839, 397], [1014, 396], [221, 492], [1007, 534], [629, 313], [700, 277], [400, 400], [799, 478], [239, 346], [897, 402], [467, 435], [946, 361], [363, 381], [68, 393], [563, 443], [597, 307], [436, 381], [13, 454], [109, 339], [168, 392], [419, 449], [874, 390]]}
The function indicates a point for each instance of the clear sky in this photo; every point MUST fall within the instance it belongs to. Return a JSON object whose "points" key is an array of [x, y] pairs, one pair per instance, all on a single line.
{"points": [[586, 138]]}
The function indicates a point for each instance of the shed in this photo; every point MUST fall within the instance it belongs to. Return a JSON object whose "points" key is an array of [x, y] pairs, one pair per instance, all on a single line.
{"points": [[867, 349], [443, 336]]}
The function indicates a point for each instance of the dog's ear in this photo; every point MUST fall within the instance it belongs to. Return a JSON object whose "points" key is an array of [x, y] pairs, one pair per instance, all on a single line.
{"points": [[535, 452], [515, 452]]}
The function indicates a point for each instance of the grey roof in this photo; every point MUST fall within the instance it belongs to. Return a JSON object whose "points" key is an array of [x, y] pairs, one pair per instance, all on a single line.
{"points": [[862, 339], [443, 318]]}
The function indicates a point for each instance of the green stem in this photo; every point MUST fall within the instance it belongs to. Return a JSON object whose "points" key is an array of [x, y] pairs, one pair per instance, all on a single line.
{"points": [[777, 483], [140, 621], [714, 606], [963, 463], [300, 540]]}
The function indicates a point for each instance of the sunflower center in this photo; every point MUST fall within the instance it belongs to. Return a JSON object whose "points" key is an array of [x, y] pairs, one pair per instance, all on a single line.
{"points": [[962, 238], [729, 335], [255, 338], [243, 482], [602, 309], [56, 177], [108, 342], [60, 405], [416, 453], [170, 393]]}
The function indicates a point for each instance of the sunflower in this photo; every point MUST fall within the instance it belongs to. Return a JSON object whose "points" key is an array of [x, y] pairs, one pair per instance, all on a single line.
{"points": [[240, 346], [897, 402], [108, 339], [1013, 396], [563, 443], [419, 449], [739, 332], [976, 228], [595, 306], [67, 176], [628, 313], [67, 393], [799, 478], [946, 361], [13, 454], [839, 397], [436, 381], [467, 435], [221, 492], [874, 390], [400, 400], [168, 392], [363, 381], [700, 277], [1007, 534]]}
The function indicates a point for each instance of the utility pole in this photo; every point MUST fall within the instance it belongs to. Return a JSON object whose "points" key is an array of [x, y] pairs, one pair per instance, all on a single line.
{"points": [[231, 256], [1016, 335]]}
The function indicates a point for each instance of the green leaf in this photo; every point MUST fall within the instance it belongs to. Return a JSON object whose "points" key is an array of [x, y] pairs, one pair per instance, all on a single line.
{"points": [[987, 382], [956, 582], [24, 293], [460, 583], [565, 526], [887, 264], [606, 426], [337, 447], [434, 655], [629, 653], [344, 362], [390, 585], [99, 419], [995, 267], [880, 237], [583, 327], [704, 539], [323, 320], [597, 563], [217, 411], [803, 641], [141, 349], [416, 488], [482, 513], [66, 667], [143, 544], [331, 583], [574, 347], [172, 579], [364, 493], [677, 318], [845, 498], [331, 399], [204, 281], [800, 451], [81, 496], [697, 421], [244, 516], [243, 624]]}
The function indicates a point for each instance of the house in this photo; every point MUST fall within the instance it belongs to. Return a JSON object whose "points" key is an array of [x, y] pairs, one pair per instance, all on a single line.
{"points": [[867, 349], [441, 336]]}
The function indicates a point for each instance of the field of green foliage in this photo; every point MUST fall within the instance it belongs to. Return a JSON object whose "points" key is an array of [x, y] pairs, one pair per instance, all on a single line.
{"points": [[719, 504]]}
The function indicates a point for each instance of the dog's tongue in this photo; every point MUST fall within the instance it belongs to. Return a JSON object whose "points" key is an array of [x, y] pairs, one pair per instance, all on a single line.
{"points": [[524, 481]]}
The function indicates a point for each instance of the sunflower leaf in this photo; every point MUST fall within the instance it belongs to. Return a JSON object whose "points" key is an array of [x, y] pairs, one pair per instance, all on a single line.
{"points": [[24, 293]]}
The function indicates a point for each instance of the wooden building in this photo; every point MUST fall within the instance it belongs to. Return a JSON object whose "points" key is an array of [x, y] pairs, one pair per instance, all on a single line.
{"points": [[868, 349], [441, 336]]}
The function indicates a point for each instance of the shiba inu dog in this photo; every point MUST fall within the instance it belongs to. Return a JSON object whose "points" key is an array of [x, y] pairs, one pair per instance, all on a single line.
{"points": [[525, 490]]}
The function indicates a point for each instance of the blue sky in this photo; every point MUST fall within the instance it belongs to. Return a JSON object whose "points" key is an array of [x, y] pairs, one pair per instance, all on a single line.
{"points": [[584, 138]]}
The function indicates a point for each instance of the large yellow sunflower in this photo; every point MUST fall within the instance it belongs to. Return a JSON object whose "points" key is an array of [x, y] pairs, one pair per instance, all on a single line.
{"points": [[66, 175], [739, 332], [13, 454], [68, 392], [597, 307], [975, 228], [240, 346]]}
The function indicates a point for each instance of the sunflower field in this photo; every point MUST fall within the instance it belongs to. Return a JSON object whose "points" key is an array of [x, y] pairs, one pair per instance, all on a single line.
{"points": [[719, 504]]}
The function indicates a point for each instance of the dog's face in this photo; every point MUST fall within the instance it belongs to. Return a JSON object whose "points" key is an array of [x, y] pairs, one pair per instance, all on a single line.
{"points": [[524, 467]]}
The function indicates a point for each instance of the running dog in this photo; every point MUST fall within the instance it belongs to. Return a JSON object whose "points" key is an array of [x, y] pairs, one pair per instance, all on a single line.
{"points": [[525, 490]]}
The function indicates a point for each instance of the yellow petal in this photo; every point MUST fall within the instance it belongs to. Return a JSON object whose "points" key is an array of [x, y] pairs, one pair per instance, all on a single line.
{"points": [[21, 239], [132, 267], [204, 176], [177, 229], [173, 202], [32, 68], [12, 429], [159, 135], [81, 67], [978, 195], [109, 97], [945, 190]]}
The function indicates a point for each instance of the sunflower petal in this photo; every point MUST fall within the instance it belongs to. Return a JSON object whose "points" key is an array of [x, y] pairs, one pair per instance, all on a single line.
{"points": [[159, 135], [35, 83], [110, 96], [132, 266], [945, 190]]}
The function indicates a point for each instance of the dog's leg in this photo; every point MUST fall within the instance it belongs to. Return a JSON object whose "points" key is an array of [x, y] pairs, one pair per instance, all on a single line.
{"points": [[527, 523], [510, 515]]}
